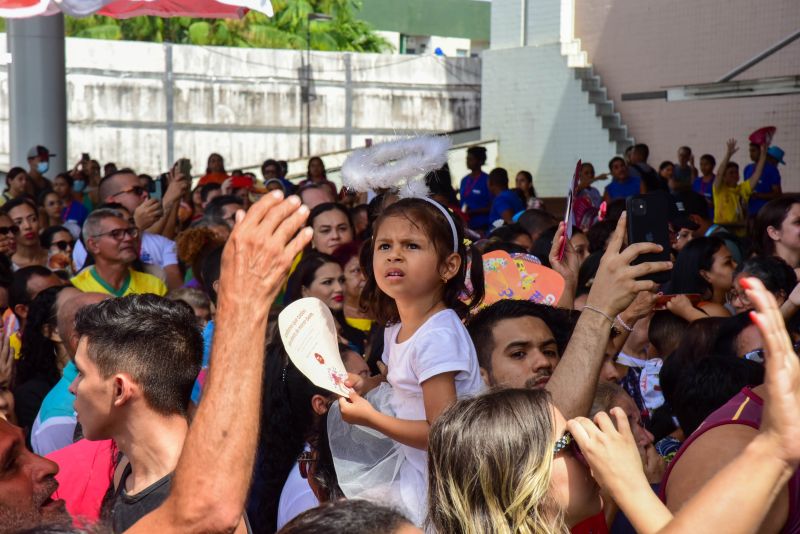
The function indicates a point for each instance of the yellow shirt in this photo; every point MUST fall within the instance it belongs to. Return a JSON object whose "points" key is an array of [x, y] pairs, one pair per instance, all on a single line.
{"points": [[362, 324], [730, 203], [137, 283]]}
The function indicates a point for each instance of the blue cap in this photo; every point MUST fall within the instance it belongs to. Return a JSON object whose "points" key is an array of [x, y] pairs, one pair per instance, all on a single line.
{"points": [[777, 153]]}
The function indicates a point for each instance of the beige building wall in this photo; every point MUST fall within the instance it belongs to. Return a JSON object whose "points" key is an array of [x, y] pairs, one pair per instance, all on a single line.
{"points": [[647, 45]]}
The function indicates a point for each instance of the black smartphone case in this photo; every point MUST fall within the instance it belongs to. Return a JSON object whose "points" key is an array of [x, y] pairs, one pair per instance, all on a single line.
{"points": [[650, 226]]}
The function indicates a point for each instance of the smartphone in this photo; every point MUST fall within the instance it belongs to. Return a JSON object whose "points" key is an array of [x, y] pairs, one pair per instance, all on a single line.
{"points": [[185, 167], [648, 222], [85, 156], [158, 186]]}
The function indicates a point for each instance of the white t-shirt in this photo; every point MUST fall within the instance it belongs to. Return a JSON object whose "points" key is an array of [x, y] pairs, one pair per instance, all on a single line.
{"points": [[296, 496], [156, 250], [441, 345]]}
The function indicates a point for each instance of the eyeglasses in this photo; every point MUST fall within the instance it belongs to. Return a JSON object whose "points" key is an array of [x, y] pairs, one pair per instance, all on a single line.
{"points": [[13, 229], [563, 443], [136, 190], [62, 245], [120, 233]]}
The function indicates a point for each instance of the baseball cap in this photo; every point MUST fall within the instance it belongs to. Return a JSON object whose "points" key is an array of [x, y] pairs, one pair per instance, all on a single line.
{"points": [[39, 151], [777, 153]]}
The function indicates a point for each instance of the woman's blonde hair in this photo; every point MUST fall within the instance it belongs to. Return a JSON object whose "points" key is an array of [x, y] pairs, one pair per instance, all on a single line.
{"points": [[490, 460]]}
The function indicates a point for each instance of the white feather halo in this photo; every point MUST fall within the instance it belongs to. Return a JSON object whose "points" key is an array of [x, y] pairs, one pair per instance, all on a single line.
{"points": [[396, 165]]}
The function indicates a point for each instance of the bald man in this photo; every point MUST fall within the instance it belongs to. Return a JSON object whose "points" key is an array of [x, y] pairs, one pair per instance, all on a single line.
{"points": [[54, 426]]}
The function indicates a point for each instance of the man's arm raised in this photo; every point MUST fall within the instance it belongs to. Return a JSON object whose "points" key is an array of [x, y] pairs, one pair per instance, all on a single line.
{"points": [[574, 381], [213, 474]]}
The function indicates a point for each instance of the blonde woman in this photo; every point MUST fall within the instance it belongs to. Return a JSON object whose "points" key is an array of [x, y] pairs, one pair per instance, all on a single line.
{"points": [[497, 465], [502, 463]]}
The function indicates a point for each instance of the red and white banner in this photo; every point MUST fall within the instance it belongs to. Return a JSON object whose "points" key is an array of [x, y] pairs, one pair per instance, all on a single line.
{"points": [[122, 9]]}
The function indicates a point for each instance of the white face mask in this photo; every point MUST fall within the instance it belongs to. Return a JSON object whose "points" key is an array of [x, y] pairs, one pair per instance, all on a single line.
{"points": [[43, 167]]}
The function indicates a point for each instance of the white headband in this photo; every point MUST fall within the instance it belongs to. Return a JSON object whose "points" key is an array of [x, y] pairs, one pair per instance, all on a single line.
{"points": [[447, 217]]}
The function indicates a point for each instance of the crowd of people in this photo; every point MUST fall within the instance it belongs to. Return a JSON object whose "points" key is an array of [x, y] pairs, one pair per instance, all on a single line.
{"points": [[144, 386]]}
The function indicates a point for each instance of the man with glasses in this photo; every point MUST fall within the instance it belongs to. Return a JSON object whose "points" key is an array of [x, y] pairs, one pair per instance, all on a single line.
{"points": [[114, 244], [157, 217], [158, 254]]}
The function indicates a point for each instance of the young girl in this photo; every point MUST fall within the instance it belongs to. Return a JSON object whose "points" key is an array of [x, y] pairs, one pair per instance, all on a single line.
{"points": [[416, 268]]}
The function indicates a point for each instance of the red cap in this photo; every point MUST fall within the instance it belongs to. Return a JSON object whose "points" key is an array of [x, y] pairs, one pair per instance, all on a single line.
{"points": [[241, 182]]}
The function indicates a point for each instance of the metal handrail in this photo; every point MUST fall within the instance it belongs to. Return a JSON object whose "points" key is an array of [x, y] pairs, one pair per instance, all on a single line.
{"points": [[760, 57]]}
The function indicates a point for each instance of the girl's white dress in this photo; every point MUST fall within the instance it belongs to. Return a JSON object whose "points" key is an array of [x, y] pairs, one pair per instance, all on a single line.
{"points": [[368, 464]]}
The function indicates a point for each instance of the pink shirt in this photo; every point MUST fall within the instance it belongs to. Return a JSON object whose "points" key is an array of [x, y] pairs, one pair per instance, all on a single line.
{"points": [[85, 471]]}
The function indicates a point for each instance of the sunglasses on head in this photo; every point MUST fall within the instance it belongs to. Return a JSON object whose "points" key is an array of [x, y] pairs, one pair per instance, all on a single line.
{"points": [[13, 229], [62, 245]]}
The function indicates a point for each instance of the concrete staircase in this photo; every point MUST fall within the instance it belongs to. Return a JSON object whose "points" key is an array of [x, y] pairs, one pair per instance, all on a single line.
{"points": [[592, 84]]}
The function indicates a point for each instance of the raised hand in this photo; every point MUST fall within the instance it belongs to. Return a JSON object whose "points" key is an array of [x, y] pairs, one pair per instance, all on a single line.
{"points": [[568, 266], [781, 418], [262, 246], [615, 284], [610, 450], [148, 213], [730, 147], [177, 188]]}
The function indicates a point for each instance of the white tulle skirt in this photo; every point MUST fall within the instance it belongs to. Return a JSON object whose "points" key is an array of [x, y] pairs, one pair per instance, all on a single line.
{"points": [[374, 467]]}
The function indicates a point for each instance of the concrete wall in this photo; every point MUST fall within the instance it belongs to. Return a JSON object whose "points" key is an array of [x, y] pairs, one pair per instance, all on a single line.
{"points": [[647, 45], [245, 103], [532, 102]]}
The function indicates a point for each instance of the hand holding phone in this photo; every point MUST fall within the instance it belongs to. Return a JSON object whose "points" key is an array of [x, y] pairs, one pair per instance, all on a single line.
{"points": [[185, 168], [648, 222]]}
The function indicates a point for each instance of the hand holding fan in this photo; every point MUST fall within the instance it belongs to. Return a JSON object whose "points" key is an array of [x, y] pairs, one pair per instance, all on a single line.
{"points": [[569, 218], [309, 334]]}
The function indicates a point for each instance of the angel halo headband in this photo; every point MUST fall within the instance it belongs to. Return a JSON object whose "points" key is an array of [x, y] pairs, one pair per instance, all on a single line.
{"points": [[399, 165]]}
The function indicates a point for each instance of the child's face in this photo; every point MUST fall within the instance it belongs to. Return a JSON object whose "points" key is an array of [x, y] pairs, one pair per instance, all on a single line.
{"points": [[706, 167], [405, 261], [731, 176]]}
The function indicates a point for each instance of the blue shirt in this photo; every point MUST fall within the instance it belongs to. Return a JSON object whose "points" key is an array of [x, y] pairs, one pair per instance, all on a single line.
{"points": [[75, 212], [208, 336], [507, 200], [631, 186], [770, 178], [54, 427], [475, 195], [707, 190]]}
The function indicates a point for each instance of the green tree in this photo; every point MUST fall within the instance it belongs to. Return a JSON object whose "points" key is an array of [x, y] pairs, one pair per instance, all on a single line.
{"points": [[289, 28]]}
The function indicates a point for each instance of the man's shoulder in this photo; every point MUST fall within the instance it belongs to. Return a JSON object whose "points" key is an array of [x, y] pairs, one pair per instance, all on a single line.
{"points": [[83, 279], [146, 283]]}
